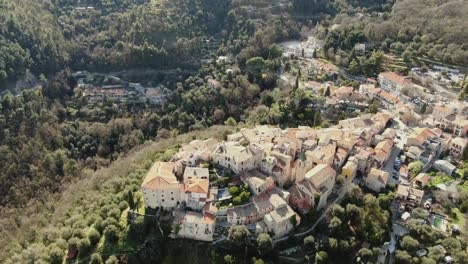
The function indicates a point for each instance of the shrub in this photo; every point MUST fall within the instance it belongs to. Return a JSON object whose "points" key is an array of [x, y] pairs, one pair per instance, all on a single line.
{"points": [[95, 259], [112, 233], [233, 190], [94, 236]]}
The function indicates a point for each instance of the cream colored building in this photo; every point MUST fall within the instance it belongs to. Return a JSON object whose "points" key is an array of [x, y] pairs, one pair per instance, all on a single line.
{"points": [[407, 193], [197, 226], [237, 158], [160, 187], [278, 221], [192, 173], [457, 146], [322, 178], [377, 179]]}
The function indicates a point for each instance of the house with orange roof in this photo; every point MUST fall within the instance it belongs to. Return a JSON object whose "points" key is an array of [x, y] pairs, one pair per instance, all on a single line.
{"points": [[195, 193], [392, 82], [421, 180], [160, 187], [312, 85], [383, 151], [387, 98], [377, 179], [404, 172], [424, 138], [342, 93]]}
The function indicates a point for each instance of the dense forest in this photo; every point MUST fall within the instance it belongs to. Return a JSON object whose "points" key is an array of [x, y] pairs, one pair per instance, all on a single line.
{"points": [[416, 30]]}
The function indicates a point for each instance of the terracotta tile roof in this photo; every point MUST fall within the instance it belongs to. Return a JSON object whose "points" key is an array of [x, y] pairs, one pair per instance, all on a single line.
{"points": [[319, 174], [161, 176], [404, 170], [388, 97], [383, 149], [422, 134], [198, 186], [313, 84], [424, 178], [381, 176], [395, 78]]}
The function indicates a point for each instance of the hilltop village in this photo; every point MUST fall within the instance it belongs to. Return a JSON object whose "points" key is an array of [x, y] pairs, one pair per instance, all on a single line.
{"points": [[268, 179]]}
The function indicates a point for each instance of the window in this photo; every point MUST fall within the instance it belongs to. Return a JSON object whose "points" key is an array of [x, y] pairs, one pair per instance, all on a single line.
{"points": [[172, 199], [162, 200]]}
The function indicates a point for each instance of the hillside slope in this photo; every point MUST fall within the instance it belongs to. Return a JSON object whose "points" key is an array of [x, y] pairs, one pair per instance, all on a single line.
{"points": [[30, 39], [40, 231]]}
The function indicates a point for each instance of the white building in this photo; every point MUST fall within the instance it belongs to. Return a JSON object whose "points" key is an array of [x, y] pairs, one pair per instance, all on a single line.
{"points": [[392, 82]]}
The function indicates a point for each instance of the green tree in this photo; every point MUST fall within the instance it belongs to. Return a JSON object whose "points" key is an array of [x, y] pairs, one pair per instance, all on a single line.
{"points": [[452, 245], [321, 257], [327, 91], [410, 244], [230, 122], [56, 255], [265, 244], [112, 233], [96, 259], [238, 234], [402, 257], [257, 261], [233, 190], [415, 167], [317, 119], [237, 200], [374, 107], [244, 196], [131, 200], [176, 228], [366, 255], [309, 242], [112, 260], [93, 236], [228, 259], [423, 108]]}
